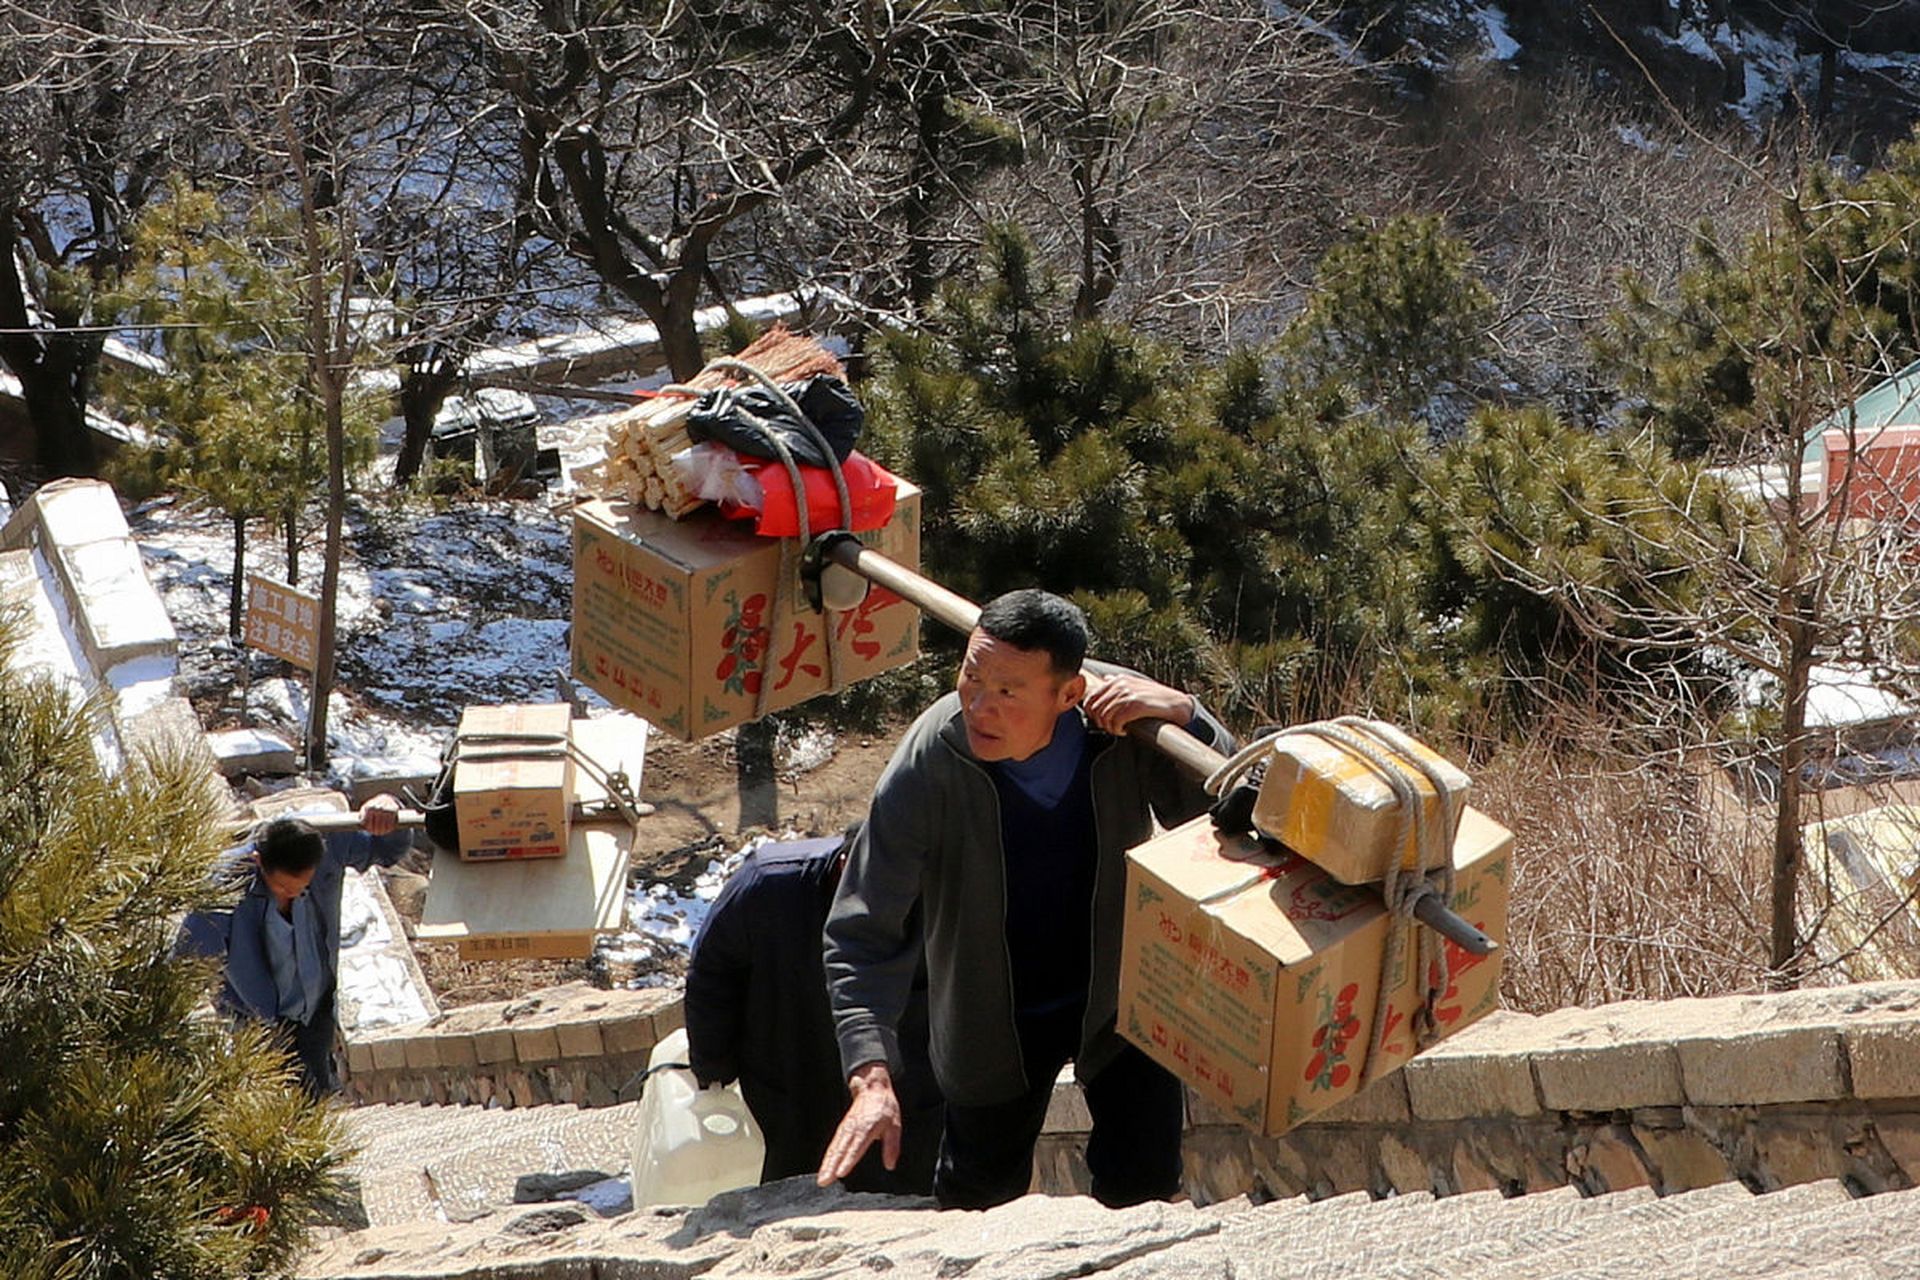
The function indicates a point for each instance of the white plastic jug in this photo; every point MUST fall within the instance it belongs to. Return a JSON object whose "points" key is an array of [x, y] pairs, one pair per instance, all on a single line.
{"points": [[689, 1143]]}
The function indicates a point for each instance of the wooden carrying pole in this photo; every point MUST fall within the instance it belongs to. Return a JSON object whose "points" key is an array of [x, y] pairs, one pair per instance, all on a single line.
{"points": [[1187, 751]]}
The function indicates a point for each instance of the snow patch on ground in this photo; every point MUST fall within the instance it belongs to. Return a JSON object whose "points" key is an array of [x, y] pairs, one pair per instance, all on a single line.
{"points": [[1501, 46]]}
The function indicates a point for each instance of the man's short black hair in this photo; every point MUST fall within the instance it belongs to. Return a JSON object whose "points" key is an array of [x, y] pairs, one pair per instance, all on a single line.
{"points": [[1039, 620], [290, 845]]}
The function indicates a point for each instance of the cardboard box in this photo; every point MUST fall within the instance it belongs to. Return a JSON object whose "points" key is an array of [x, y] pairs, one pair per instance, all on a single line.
{"points": [[513, 799], [1337, 810], [1257, 988], [681, 621]]}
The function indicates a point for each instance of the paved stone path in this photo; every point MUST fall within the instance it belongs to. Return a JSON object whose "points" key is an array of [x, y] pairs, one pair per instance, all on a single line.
{"points": [[438, 1185]]}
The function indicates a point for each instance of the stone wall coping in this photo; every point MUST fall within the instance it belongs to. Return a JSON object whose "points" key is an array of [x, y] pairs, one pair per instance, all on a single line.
{"points": [[571, 1003], [1781, 1047], [1801, 1047]]}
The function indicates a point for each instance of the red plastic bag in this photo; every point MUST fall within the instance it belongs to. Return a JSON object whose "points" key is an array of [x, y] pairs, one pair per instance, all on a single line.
{"points": [[870, 488]]}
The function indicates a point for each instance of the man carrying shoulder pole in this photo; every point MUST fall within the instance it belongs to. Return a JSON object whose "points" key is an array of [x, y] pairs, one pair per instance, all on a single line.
{"points": [[1005, 816]]}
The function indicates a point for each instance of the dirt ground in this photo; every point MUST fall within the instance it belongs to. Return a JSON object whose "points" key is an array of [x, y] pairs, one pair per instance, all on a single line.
{"points": [[696, 818]]}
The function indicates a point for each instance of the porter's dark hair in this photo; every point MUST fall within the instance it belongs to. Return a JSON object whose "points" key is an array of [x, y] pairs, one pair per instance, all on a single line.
{"points": [[1039, 620], [289, 845]]}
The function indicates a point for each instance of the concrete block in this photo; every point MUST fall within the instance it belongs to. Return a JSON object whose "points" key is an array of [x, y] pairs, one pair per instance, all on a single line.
{"points": [[457, 1052], [494, 1044], [1608, 1160], [599, 1090], [119, 612], [1382, 1102], [241, 751], [1753, 1068], [630, 1034], [1279, 1166], [1405, 1169], [1900, 1136], [422, 1052], [536, 1044], [1462, 1084], [1470, 1172], [1341, 1164], [1215, 1167], [579, 1040], [1615, 1077], [1067, 1108], [1681, 1160], [389, 1054], [1885, 1058], [669, 1018], [168, 727], [359, 1057], [1792, 1151], [75, 511]]}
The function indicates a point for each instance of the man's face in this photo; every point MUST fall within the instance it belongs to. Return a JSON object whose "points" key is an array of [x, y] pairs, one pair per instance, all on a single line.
{"points": [[285, 886], [1010, 698]]}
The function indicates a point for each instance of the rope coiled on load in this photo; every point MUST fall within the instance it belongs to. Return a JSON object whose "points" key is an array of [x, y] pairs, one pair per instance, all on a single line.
{"points": [[1422, 865]]}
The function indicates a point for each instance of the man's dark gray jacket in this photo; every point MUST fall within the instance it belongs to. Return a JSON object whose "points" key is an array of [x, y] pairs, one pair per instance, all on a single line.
{"points": [[933, 837]]}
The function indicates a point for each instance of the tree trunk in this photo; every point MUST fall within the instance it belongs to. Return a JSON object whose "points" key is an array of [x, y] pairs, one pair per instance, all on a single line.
{"points": [[55, 367], [1829, 63], [753, 744], [422, 392], [329, 361], [1784, 959], [323, 649], [238, 593], [56, 394], [290, 530]]}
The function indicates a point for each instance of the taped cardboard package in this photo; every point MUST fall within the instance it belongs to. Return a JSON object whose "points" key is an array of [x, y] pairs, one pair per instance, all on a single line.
{"points": [[513, 781], [1336, 808]]}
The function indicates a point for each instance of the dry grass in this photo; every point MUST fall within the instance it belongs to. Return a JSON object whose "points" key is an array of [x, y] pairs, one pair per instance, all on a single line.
{"points": [[1629, 881]]}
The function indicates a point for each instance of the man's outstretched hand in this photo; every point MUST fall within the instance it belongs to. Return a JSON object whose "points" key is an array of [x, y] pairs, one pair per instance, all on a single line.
{"points": [[380, 816], [872, 1116]]}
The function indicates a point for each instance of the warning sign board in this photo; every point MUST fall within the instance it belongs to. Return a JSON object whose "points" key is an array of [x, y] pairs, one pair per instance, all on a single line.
{"points": [[282, 620]]}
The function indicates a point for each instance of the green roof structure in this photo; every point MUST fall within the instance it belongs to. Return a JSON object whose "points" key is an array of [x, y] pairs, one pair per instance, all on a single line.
{"points": [[1895, 402]]}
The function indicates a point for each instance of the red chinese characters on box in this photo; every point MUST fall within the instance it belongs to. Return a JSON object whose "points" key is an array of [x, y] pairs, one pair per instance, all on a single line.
{"points": [[1258, 987], [699, 625]]}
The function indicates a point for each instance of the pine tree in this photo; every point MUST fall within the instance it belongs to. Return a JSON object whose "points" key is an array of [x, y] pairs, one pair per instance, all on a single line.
{"points": [[1236, 537], [235, 417], [138, 1137], [1397, 311]]}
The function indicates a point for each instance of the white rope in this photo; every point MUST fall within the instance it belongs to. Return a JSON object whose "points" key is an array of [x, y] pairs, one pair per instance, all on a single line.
{"points": [[1423, 848]]}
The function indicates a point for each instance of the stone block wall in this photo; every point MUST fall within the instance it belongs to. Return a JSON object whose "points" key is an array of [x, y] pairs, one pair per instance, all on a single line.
{"points": [[1770, 1091], [574, 1043]]}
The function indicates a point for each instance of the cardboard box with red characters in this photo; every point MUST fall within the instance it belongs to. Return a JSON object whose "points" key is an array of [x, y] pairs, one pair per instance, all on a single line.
{"points": [[1258, 987], [687, 622]]}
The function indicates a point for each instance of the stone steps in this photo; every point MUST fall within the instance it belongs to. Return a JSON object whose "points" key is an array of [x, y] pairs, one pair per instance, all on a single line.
{"points": [[1816, 1231], [1674, 1229], [426, 1163], [441, 1164]]}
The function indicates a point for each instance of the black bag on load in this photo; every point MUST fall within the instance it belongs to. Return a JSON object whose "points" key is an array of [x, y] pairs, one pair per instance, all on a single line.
{"points": [[729, 414]]}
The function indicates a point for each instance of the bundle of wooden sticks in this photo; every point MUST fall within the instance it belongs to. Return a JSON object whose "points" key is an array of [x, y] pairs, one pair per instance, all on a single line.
{"points": [[642, 441]]}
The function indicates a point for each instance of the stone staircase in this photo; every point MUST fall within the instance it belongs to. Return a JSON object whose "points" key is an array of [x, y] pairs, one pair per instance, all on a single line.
{"points": [[455, 1164], [438, 1184], [1716, 1232], [1814, 1231]]}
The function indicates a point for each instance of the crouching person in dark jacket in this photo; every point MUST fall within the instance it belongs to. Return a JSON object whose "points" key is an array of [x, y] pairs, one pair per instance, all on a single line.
{"points": [[280, 940], [757, 1012]]}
